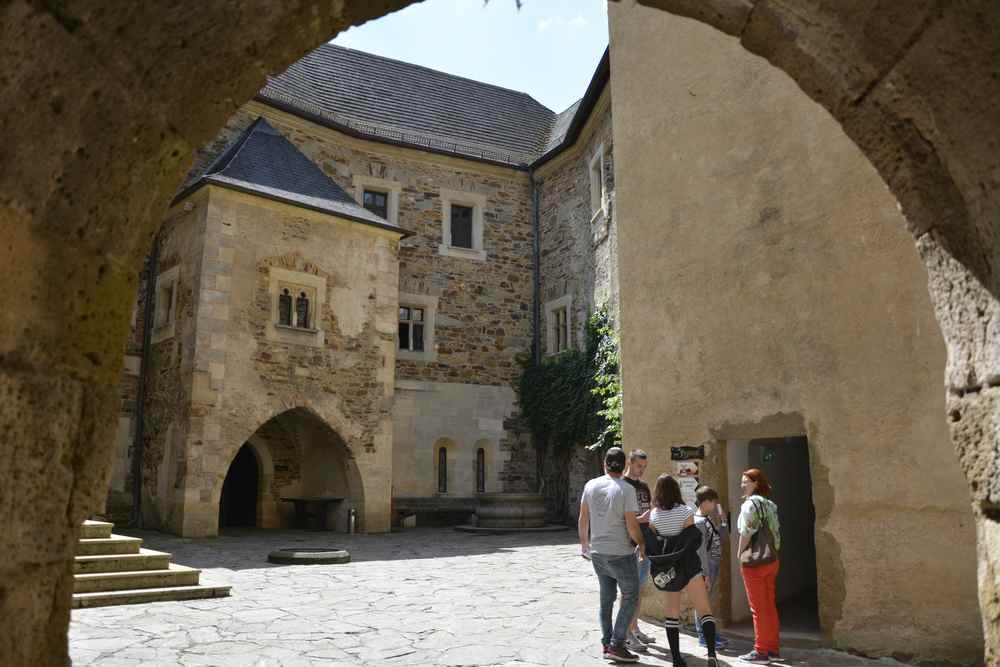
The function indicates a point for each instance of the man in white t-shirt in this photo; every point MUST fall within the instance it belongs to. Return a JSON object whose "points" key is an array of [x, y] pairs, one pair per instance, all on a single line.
{"points": [[608, 509]]}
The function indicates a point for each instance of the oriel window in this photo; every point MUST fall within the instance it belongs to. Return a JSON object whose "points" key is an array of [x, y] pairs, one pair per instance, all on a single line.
{"points": [[461, 226], [377, 203], [411, 328]]}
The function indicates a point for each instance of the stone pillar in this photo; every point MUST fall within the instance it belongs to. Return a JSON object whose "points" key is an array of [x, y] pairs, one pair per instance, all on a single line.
{"points": [[969, 316]]}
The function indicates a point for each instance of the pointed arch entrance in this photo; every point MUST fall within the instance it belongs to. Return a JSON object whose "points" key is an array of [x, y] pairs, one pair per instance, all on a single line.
{"points": [[294, 459]]}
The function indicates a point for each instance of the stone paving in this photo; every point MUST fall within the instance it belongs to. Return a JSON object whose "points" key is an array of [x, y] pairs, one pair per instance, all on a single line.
{"points": [[423, 597]]}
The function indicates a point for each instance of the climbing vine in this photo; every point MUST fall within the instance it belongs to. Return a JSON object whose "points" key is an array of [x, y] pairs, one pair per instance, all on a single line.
{"points": [[574, 398]]}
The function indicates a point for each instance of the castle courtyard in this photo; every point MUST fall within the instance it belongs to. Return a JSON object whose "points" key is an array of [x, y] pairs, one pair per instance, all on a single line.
{"points": [[430, 596]]}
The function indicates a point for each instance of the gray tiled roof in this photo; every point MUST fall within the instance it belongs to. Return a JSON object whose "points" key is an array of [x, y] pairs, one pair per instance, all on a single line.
{"points": [[560, 126], [396, 101], [264, 162]]}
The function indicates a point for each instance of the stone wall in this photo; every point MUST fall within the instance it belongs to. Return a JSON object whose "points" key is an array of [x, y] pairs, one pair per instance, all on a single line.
{"points": [[578, 247], [769, 289], [228, 370], [482, 320], [461, 418]]}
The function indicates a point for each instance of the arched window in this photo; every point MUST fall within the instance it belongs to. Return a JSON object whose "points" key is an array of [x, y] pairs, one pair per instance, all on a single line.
{"points": [[302, 311], [442, 470], [285, 308], [481, 470]]}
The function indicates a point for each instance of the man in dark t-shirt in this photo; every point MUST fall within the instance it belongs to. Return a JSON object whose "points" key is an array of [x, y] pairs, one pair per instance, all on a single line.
{"points": [[637, 462]]}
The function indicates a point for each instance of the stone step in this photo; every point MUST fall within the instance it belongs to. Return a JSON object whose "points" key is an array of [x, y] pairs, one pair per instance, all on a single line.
{"points": [[172, 575], [107, 598], [95, 529], [146, 559], [116, 544]]}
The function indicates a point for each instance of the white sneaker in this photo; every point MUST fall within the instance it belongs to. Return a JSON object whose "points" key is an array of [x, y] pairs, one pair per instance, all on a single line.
{"points": [[633, 644]]}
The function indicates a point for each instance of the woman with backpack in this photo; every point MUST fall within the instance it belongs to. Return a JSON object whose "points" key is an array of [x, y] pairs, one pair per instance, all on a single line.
{"points": [[760, 541], [676, 565]]}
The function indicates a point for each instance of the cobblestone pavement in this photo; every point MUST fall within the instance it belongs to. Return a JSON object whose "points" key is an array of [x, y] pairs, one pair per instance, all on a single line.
{"points": [[423, 597]]}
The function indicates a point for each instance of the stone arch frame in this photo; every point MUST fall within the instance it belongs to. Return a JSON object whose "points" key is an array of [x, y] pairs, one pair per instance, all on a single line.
{"points": [[913, 83], [489, 463], [267, 499], [451, 448]]}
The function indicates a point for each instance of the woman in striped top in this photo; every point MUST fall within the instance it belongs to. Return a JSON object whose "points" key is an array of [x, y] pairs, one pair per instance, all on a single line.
{"points": [[668, 518]]}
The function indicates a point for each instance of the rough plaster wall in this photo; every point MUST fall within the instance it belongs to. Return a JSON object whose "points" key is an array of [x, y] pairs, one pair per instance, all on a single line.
{"points": [[765, 270], [916, 85]]}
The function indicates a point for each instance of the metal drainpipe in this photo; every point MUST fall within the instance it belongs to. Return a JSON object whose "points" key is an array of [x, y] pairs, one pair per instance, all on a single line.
{"points": [[140, 400], [536, 313]]}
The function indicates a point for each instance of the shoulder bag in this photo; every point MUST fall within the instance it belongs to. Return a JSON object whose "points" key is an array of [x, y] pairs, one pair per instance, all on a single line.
{"points": [[761, 550]]}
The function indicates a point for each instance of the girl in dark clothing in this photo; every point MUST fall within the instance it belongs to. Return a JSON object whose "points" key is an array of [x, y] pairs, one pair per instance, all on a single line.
{"points": [[668, 518]]}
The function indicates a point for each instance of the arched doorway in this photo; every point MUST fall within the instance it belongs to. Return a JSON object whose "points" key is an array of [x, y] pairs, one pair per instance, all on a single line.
{"points": [[240, 491], [303, 476]]}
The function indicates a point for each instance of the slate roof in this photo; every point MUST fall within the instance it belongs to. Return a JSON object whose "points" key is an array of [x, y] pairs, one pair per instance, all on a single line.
{"points": [[263, 162], [389, 100]]}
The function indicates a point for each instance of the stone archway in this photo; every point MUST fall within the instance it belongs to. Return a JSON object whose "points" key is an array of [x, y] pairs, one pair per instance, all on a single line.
{"points": [[300, 455], [914, 84]]}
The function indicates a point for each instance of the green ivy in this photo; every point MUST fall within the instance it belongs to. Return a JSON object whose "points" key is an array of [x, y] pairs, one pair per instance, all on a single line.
{"points": [[574, 398]]}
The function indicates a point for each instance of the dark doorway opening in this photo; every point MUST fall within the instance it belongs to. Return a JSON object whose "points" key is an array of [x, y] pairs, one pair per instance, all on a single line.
{"points": [[238, 504], [785, 461]]}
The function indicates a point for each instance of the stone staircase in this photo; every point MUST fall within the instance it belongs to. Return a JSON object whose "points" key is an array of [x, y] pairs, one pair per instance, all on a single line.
{"points": [[113, 569]]}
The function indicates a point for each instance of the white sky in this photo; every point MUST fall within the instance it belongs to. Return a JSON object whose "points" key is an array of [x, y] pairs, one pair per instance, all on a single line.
{"points": [[548, 49]]}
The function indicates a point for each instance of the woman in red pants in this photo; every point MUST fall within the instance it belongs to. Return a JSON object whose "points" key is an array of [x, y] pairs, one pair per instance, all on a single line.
{"points": [[759, 519]]}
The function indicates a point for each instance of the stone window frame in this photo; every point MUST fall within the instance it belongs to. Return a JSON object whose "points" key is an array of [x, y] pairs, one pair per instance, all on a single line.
{"points": [[480, 469], [165, 318], [450, 447], [296, 281], [392, 189], [477, 202], [552, 309], [598, 184], [430, 306]]}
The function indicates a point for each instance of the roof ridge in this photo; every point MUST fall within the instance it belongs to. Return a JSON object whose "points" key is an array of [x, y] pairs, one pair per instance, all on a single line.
{"points": [[438, 71]]}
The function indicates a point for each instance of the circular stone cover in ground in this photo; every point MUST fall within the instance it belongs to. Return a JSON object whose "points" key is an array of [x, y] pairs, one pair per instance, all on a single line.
{"points": [[310, 556]]}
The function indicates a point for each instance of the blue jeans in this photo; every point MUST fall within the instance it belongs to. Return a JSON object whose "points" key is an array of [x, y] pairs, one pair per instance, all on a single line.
{"points": [[614, 572]]}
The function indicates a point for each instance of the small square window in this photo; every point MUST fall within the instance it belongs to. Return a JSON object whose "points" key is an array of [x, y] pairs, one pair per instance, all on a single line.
{"points": [[598, 194], [164, 305], [558, 325], [461, 226], [411, 329], [377, 202]]}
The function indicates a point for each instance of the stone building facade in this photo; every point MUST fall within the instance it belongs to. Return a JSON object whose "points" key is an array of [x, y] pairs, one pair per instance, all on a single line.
{"points": [[739, 306], [449, 428]]}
